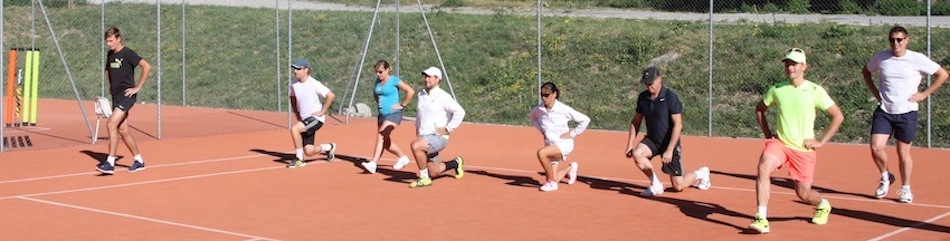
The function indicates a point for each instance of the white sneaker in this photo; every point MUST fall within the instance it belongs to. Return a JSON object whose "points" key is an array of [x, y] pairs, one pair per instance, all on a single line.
{"points": [[400, 163], [906, 195], [881, 191], [549, 186], [653, 190], [369, 166], [704, 182], [572, 175]]}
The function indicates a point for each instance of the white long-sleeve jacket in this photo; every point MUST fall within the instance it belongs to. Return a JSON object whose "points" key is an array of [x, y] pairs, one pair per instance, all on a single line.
{"points": [[554, 123], [436, 109]]}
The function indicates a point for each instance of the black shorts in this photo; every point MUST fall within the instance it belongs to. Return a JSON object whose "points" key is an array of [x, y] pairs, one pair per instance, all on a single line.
{"points": [[308, 136], [123, 103], [675, 167], [901, 126]]}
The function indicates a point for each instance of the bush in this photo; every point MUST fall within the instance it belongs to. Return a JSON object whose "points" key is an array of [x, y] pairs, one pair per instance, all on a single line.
{"points": [[452, 3], [901, 8]]}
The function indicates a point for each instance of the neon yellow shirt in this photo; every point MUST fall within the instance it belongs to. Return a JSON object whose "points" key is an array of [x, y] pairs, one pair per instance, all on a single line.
{"points": [[796, 111]]}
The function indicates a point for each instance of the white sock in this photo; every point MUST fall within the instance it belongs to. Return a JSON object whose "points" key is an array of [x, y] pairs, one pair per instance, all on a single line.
{"points": [[656, 180], [139, 159], [424, 173], [111, 160], [824, 202], [906, 187], [885, 176], [763, 210], [300, 153], [325, 147]]}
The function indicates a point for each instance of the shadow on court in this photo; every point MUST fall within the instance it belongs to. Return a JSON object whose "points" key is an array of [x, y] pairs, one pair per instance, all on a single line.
{"points": [[514, 180], [285, 158], [101, 157], [393, 175], [695, 209], [790, 184], [889, 220]]}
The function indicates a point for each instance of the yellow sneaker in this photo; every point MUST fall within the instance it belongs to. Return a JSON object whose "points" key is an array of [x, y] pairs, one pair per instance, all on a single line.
{"points": [[421, 182], [821, 214], [760, 224], [459, 172], [296, 163]]}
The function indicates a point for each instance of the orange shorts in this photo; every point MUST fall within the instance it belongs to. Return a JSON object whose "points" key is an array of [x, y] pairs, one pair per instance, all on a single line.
{"points": [[801, 164]]}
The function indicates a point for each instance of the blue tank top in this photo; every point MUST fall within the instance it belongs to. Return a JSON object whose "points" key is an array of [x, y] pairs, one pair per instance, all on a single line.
{"points": [[388, 95]]}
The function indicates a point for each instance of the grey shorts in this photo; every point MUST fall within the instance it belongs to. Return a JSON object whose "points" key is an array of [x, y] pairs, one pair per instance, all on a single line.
{"points": [[436, 144], [395, 117]]}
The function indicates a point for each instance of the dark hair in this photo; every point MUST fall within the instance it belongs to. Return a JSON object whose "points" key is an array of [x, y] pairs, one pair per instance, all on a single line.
{"points": [[112, 31], [553, 88], [898, 29], [382, 63]]}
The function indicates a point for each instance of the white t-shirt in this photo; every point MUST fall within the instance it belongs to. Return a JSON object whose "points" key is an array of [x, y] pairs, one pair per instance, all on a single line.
{"points": [[899, 78], [308, 94]]}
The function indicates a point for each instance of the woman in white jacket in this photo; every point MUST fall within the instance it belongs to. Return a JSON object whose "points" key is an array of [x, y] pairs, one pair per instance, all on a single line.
{"points": [[551, 117]]}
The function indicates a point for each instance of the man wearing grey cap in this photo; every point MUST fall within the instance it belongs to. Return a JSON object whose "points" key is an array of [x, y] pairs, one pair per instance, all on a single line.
{"points": [[662, 109], [437, 114], [305, 94], [794, 145]]}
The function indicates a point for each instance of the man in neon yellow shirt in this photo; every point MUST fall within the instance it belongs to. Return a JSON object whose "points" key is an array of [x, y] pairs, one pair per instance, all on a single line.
{"points": [[797, 101]]}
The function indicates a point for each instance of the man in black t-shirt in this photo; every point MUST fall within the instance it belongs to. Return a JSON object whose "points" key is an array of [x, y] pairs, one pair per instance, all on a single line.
{"points": [[663, 112], [120, 69]]}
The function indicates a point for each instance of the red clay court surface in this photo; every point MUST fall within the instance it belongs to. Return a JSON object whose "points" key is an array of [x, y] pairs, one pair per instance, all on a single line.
{"points": [[219, 175]]}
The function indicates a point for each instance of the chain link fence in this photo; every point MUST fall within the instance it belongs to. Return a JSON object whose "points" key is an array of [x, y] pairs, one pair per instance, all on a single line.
{"points": [[235, 55]]}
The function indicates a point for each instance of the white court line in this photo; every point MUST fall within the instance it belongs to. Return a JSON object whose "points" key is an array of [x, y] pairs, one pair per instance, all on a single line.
{"points": [[145, 182], [252, 237], [393, 160], [150, 167], [904, 229], [733, 189]]}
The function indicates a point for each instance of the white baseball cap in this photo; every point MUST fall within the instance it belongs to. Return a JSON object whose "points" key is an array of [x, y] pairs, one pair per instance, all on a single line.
{"points": [[433, 71]]}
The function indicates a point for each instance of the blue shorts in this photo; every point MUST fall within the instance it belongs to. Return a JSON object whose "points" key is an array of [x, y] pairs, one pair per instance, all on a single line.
{"points": [[395, 117], [902, 126]]}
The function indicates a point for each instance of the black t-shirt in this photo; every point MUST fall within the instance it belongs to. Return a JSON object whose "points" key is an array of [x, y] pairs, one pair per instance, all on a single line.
{"points": [[657, 113], [121, 67]]}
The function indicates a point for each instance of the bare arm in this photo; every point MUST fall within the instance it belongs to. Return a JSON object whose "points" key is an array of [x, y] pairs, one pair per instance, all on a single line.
{"points": [[409, 94], [326, 106], [634, 129], [939, 78], [146, 69], [674, 137], [870, 83], [763, 122], [836, 119]]}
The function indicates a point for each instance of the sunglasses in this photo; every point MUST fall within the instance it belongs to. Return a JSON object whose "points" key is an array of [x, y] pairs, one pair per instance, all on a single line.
{"points": [[898, 40]]}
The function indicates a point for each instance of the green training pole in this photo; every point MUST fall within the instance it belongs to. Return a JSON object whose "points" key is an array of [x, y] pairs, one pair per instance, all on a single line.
{"points": [[27, 79], [35, 88]]}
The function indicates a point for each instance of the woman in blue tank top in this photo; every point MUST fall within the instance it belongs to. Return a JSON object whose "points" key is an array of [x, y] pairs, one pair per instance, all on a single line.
{"points": [[389, 105]]}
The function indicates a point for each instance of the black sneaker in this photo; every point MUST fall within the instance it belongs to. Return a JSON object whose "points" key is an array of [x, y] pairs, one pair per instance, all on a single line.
{"points": [[332, 152], [137, 166], [105, 168]]}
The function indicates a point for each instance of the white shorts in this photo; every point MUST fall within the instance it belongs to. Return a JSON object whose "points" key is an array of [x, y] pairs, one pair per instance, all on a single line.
{"points": [[566, 148]]}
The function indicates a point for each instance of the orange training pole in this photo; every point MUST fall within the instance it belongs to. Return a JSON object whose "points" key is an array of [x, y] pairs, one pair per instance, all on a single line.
{"points": [[11, 86]]}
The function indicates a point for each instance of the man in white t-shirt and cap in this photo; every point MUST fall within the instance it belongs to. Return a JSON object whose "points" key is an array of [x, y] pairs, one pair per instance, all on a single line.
{"points": [[305, 94], [437, 114], [899, 73]]}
